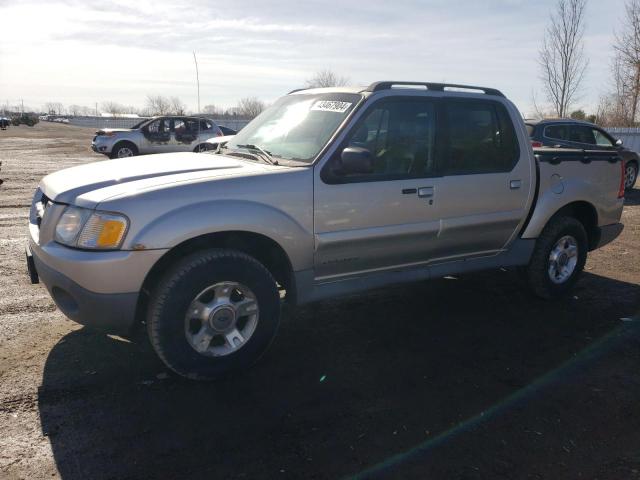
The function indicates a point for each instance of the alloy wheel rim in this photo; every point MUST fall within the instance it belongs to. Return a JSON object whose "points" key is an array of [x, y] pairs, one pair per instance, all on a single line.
{"points": [[221, 319], [630, 176], [125, 152], [563, 259]]}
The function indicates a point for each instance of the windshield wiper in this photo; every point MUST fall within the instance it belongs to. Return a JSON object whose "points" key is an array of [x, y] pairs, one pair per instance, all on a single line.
{"points": [[264, 154]]}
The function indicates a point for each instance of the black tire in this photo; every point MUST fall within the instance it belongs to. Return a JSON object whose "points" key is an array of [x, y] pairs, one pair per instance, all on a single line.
{"points": [[629, 184], [181, 284], [203, 147], [120, 146], [537, 272]]}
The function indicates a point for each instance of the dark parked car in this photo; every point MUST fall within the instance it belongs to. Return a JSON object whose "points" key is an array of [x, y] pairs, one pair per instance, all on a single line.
{"points": [[4, 123], [227, 130], [578, 134]]}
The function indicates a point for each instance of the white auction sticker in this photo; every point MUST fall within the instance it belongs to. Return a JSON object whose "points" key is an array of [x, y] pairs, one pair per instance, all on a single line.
{"points": [[331, 106]]}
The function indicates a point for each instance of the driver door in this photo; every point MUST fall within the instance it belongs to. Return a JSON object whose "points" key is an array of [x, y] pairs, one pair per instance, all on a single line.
{"points": [[386, 218]]}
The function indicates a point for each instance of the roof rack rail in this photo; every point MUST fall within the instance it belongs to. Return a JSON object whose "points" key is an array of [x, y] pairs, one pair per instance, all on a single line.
{"points": [[297, 90], [439, 87]]}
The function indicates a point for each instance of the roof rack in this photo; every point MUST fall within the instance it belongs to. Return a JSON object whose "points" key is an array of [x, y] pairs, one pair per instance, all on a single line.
{"points": [[297, 90], [439, 87]]}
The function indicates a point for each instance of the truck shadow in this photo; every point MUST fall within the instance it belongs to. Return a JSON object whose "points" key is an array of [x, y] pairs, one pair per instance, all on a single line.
{"points": [[632, 197], [346, 384]]}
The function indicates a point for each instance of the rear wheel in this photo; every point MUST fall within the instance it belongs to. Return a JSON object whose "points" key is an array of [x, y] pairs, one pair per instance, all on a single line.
{"points": [[558, 258], [215, 312], [124, 150], [630, 175]]}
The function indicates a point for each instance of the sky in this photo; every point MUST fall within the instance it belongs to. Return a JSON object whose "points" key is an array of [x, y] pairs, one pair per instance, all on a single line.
{"points": [[80, 52]]}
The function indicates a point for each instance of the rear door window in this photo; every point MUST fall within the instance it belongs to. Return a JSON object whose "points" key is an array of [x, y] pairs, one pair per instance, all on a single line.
{"points": [[480, 139], [557, 132]]}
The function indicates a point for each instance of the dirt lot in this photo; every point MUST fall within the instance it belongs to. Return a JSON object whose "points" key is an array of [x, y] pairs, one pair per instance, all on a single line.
{"points": [[467, 378]]}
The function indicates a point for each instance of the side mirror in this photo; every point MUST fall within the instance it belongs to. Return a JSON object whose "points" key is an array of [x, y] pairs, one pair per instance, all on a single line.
{"points": [[619, 142], [355, 160]]}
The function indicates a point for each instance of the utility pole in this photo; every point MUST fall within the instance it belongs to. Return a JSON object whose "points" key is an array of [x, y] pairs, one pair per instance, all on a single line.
{"points": [[197, 79]]}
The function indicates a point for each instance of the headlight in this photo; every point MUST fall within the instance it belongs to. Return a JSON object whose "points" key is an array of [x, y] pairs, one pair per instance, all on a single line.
{"points": [[82, 228], [70, 224]]}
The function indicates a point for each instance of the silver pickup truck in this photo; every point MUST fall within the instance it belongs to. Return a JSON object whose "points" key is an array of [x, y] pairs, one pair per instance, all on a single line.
{"points": [[328, 192]]}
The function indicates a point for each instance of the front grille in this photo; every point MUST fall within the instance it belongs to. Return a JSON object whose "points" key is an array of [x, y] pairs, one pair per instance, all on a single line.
{"points": [[41, 208]]}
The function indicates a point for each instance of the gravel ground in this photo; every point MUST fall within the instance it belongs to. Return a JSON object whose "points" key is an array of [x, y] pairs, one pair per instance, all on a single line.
{"points": [[466, 378]]}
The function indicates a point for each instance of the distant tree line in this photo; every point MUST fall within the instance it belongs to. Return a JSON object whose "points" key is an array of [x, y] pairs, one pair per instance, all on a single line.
{"points": [[247, 107], [155, 104]]}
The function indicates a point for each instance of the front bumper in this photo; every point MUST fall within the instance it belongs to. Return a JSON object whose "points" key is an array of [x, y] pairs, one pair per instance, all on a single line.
{"points": [[97, 289], [99, 145], [108, 312]]}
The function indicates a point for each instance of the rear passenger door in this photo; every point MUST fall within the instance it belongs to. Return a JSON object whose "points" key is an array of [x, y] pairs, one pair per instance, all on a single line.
{"points": [[486, 179], [184, 137]]}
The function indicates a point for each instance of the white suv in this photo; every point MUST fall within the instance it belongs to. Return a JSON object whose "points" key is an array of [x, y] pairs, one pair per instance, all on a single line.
{"points": [[156, 135]]}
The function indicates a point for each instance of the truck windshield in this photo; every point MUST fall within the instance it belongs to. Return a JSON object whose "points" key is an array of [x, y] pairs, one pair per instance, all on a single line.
{"points": [[297, 127]]}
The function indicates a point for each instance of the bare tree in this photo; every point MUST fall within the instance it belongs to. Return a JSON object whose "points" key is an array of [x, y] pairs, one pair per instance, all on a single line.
{"points": [[627, 63], [158, 105], [54, 108], [80, 110], [113, 108], [616, 107], [176, 106], [562, 60], [326, 78], [250, 107], [211, 110]]}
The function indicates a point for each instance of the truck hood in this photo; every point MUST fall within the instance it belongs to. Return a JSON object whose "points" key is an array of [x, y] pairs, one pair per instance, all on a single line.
{"points": [[129, 175]]}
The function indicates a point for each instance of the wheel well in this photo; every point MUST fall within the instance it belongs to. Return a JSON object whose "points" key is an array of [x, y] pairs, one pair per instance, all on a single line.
{"points": [[207, 147], [586, 214], [124, 142], [262, 248]]}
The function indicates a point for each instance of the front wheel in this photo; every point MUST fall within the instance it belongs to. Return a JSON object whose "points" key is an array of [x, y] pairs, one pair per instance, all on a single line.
{"points": [[123, 150], [203, 147], [214, 313], [558, 258]]}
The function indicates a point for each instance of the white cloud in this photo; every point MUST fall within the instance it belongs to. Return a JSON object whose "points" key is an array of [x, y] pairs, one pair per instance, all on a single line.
{"points": [[75, 52]]}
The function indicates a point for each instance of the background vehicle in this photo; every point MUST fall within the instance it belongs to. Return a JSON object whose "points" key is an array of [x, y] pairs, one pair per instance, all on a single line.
{"points": [[227, 131], [157, 135], [214, 143], [4, 123], [327, 192], [571, 133]]}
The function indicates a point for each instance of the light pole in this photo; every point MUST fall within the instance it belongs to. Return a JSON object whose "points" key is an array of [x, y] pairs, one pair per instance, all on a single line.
{"points": [[197, 79]]}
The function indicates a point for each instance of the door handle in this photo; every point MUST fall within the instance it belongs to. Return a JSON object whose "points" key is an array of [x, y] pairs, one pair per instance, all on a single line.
{"points": [[425, 192], [515, 184]]}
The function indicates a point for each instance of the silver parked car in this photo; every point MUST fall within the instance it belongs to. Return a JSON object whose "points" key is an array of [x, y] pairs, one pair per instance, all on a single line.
{"points": [[327, 192], [156, 135]]}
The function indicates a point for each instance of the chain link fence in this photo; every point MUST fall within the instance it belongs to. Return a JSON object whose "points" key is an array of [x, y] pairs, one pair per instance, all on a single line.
{"points": [[630, 137]]}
